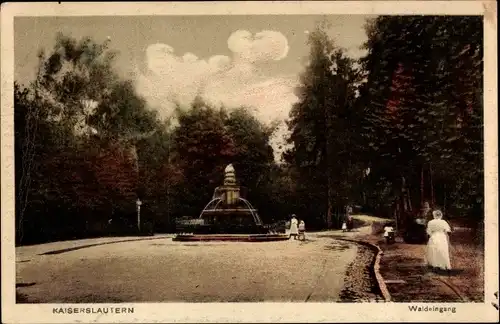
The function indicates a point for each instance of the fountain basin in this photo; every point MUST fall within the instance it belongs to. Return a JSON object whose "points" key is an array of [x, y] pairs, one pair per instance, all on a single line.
{"points": [[228, 216], [231, 237]]}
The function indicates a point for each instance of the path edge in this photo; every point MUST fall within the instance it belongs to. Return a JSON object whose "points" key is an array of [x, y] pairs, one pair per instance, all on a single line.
{"points": [[375, 266]]}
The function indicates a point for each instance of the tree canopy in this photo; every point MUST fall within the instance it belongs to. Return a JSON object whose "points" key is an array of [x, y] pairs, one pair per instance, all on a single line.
{"points": [[386, 132], [88, 146]]}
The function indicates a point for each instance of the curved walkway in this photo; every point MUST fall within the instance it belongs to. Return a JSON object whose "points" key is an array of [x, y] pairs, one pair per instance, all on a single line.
{"points": [[159, 270]]}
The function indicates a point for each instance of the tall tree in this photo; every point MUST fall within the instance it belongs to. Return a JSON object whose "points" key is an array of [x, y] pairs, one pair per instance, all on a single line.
{"points": [[254, 159], [203, 147], [442, 56], [251, 140], [320, 125], [75, 112], [206, 140]]}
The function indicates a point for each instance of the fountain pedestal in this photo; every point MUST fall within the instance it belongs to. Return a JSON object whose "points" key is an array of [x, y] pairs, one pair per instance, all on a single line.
{"points": [[228, 212]]}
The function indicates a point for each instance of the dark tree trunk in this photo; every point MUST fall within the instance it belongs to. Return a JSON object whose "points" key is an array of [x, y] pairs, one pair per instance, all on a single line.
{"points": [[431, 183], [444, 199], [410, 205], [422, 187], [329, 157]]}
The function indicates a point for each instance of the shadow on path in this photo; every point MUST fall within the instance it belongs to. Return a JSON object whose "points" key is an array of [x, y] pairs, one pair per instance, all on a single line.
{"points": [[98, 244], [448, 273], [28, 284]]}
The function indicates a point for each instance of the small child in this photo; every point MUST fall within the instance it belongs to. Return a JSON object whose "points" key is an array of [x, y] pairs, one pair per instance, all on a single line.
{"points": [[344, 227], [389, 234], [302, 230]]}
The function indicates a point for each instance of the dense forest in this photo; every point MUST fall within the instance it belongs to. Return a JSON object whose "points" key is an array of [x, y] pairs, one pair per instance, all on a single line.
{"points": [[385, 133]]}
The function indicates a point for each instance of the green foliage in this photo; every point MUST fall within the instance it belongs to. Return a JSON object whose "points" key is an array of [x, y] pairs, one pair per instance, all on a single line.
{"points": [[323, 129], [416, 120], [253, 153], [424, 105], [206, 141], [202, 148], [77, 127], [86, 145]]}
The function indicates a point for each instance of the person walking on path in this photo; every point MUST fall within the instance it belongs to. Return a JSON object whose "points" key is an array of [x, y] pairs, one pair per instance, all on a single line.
{"points": [[302, 230], [438, 249], [294, 231], [349, 220], [426, 212], [389, 234]]}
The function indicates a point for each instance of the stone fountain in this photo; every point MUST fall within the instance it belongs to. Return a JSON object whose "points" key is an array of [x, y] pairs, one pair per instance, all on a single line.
{"points": [[227, 213]]}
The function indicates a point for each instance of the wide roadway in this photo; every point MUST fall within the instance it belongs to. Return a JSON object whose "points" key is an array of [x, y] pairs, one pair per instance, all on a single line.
{"points": [[162, 270]]}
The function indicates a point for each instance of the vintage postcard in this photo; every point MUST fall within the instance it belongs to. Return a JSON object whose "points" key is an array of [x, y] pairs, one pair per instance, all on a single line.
{"points": [[323, 161]]}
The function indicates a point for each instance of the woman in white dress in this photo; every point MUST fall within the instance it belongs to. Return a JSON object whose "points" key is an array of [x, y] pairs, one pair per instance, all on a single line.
{"points": [[294, 230], [438, 249]]}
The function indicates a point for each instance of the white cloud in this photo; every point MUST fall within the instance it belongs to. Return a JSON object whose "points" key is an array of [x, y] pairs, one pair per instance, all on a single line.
{"points": [[221, 80], [230, 81], [263, 46], [271, 98]]}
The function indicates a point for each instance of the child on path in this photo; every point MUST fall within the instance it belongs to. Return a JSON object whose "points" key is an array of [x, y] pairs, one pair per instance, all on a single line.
{"points": [[389, 234], [302, 230]]}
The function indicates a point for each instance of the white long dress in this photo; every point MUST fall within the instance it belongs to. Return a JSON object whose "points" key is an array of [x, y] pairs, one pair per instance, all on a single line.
{"points": [[293, 227], [438, 250]]}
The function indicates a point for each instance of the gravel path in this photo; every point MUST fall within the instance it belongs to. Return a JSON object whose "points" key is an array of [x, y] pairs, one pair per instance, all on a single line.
{"points": [[161, 270], [409, 280], [361, 286]]}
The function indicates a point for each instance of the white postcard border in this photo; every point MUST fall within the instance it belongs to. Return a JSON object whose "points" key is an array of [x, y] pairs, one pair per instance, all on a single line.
{"points": [[252, 312]]}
